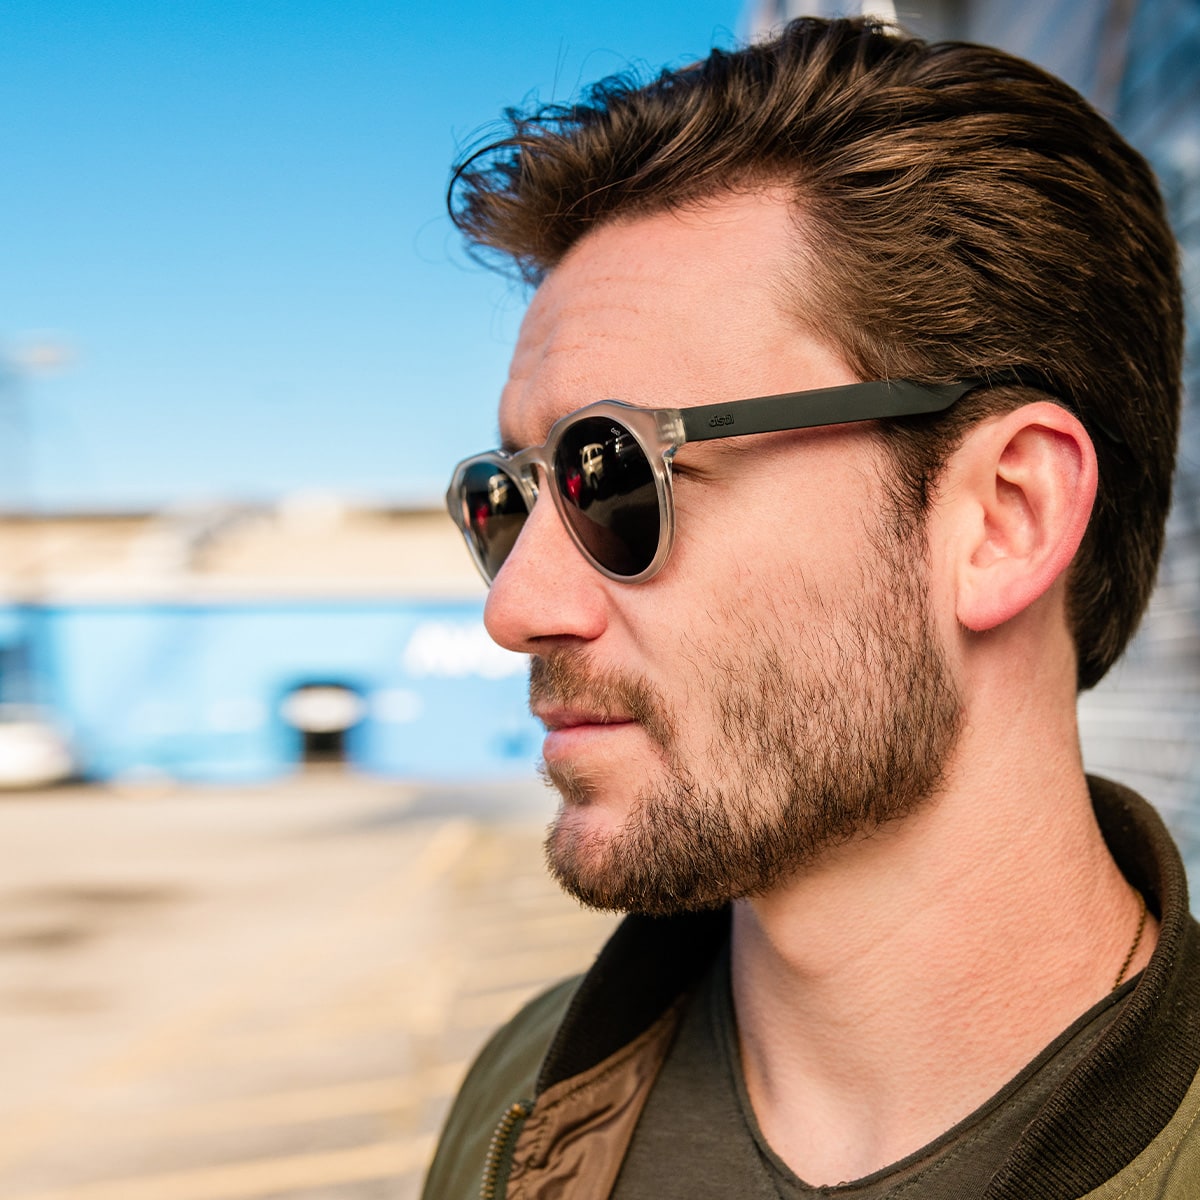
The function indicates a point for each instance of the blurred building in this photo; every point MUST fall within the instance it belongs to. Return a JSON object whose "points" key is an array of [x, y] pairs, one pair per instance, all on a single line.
{"points": [[239, 644], [1139, 62]]}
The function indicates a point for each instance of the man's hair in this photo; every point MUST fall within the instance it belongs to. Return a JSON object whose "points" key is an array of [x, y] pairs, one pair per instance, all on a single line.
{"points": [[962, 214]]}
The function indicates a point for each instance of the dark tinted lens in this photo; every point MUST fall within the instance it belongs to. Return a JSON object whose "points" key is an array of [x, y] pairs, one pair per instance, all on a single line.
{"points": [[495, 513], [606, 482]]}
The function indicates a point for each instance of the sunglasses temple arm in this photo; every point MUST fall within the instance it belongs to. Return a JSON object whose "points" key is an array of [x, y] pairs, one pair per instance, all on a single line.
{"points": [[825, 406]]}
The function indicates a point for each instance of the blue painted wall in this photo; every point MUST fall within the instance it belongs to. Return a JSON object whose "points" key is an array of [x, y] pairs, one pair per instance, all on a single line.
{"points": [[194, 690]]}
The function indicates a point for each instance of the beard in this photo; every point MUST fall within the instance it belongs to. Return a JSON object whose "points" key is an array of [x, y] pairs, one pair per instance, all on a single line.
{"points": [[816, 739]]}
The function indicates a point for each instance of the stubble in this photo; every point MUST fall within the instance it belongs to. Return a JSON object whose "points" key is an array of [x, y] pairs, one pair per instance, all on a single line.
{"points": [[816, 740]]}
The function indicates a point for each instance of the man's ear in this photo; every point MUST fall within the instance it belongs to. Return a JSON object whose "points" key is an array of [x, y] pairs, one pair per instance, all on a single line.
{"points": [[1020, 496]]}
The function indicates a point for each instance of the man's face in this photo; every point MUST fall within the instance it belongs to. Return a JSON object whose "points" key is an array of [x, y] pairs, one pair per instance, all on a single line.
{"points": [[778, 687]]}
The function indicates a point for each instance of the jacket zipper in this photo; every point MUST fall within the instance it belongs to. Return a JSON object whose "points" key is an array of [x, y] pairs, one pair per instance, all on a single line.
{"points": [[500, 1150]]}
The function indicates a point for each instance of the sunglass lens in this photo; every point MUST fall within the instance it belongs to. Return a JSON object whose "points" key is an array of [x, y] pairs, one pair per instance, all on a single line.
{"points": [[608, 492], [495, 511]]}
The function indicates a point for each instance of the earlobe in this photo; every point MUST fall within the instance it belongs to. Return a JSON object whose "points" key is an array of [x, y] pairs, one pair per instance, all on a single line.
{"points": [[1024, 490]]}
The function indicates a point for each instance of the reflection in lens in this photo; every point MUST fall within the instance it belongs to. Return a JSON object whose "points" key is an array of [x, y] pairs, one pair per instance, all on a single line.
{"points": [[607, 484], [495, 513]]}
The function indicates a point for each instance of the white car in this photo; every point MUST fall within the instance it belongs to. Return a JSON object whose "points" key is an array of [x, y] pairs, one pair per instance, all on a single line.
{"points": [[34, 752]]}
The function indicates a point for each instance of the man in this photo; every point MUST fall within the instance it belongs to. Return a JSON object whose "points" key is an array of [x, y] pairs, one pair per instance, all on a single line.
{"points": [[808, 663]]}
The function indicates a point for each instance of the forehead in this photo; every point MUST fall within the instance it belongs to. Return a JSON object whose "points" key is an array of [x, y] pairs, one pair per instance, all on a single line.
{"points": [[671, 310]]}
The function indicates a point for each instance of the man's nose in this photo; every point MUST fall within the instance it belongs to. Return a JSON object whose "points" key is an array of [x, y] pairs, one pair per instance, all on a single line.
{"points": [[546, 590]]}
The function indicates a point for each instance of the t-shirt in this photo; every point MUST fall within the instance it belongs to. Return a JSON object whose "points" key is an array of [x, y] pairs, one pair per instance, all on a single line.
{"points": [[698, 1137]]}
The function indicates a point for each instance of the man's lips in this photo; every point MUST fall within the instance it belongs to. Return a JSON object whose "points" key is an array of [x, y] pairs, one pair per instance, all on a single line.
{"points": [[573, 734], [556, 719]]}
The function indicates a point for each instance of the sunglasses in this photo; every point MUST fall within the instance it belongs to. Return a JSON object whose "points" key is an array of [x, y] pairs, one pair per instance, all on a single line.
{"points": [[608, 467]]}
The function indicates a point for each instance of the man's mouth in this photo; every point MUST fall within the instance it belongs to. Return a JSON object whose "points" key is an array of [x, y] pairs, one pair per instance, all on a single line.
{"points": [[574, 734], [555, 719], [588, 711]]}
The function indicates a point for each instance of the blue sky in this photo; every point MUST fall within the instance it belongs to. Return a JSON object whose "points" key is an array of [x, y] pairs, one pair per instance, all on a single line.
{"points": [[230, 211]]}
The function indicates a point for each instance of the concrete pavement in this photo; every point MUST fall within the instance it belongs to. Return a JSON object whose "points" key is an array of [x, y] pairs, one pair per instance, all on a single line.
{"points": [[270, 992]]}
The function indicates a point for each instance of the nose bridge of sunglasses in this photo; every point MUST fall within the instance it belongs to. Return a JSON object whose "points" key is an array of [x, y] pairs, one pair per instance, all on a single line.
{"points": [[523, 467]]}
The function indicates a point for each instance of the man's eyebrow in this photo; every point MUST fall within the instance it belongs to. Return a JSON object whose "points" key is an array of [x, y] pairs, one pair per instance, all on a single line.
{"points": [[510, 445]]}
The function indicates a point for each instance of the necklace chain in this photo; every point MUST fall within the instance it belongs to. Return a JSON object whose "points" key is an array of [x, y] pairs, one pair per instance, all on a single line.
{"points": [[1137, 941]]}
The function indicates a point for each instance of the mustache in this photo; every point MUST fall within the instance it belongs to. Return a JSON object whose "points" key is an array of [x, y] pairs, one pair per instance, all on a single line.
{"points": [[563, 678]]}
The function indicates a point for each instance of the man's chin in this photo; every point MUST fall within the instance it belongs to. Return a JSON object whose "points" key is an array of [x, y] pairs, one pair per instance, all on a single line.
{"points": [[585, 835], [588, 856], [596, 860], [579, 857]]}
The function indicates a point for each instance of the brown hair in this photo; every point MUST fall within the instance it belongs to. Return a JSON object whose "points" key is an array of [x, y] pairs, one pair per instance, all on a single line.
{"points": [[965, 214]]}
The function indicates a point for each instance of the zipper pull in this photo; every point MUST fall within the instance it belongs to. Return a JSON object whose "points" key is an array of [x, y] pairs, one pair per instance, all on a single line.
{"points": [[500, 1149]]}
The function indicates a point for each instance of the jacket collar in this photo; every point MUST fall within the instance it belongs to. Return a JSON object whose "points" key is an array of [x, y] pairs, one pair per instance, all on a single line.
{"points": [[1119, 1098]]}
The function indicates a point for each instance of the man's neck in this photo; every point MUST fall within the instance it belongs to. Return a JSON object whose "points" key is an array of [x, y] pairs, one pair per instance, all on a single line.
{"points": [[886, 992]]}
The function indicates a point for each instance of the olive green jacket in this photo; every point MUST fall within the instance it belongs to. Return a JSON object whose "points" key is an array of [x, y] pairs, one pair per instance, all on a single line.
{"points": [[548, 1108]]}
